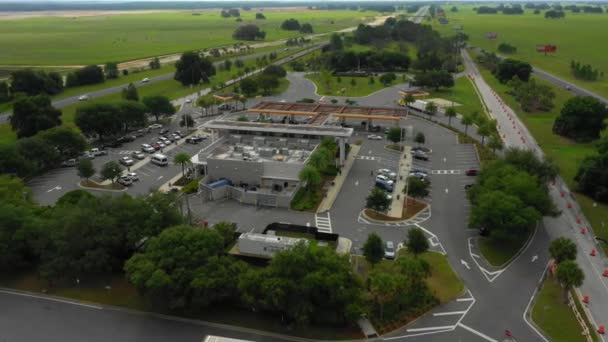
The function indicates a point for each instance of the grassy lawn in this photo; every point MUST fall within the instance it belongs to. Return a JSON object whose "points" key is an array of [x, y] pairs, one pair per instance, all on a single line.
{"points": [[361, 88], [103, 38], [462, 93], [566, 153], [575, 37], [555, 317], [497, 253], [7, 135]]}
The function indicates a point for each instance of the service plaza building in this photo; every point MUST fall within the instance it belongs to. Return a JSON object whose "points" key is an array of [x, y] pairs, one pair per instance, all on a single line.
{"points": [[256, 156]]}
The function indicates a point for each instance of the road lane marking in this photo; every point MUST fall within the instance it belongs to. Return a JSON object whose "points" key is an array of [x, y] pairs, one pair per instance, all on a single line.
{"points": [[464, 299], [480, 334], [465, 264], [449, 313], [52, 299], [159, 178], [444, 327]]}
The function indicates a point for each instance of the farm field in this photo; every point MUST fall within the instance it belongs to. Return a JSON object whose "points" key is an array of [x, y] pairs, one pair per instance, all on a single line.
{"points": [[578, 37], [99, 39]]}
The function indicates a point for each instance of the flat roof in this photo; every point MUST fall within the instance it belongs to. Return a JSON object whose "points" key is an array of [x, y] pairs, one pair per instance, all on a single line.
{"points": [[315, 109], [326, 131]]}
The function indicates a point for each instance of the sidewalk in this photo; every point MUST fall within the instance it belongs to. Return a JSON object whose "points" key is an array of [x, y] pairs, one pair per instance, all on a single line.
{"points": [[334, 190], [405, 164]]}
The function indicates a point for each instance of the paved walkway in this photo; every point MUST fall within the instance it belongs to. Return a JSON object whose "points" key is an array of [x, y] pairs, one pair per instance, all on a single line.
{"points": [[334, 190], [403, 171]]}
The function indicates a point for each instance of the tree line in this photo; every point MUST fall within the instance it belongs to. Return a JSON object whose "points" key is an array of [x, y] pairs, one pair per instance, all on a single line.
{"points": [[585, 71]]}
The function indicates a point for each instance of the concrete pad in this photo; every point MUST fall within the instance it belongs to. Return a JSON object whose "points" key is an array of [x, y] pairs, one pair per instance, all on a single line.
{"points": [[443, 102]]}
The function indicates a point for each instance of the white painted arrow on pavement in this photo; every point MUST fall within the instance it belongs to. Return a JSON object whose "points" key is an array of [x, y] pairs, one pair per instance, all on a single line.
{"points": [[465, 264], [534, 258]]}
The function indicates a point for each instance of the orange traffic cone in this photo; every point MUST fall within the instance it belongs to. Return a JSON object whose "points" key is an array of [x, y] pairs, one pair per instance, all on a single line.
{"points": [[601, 329], [583, 230], [586, 299], [578, 220], [569, 205], [592, 252], [605, 274]]}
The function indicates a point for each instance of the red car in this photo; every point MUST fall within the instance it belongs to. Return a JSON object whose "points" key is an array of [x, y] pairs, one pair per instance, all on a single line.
{"points": [[156, 146], [472, 172]]}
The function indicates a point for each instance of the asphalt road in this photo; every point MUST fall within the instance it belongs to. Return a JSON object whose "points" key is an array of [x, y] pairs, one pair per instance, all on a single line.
{"points": [[515, 133]]}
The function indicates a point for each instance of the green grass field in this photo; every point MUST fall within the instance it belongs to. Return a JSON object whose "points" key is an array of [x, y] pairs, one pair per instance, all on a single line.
{"points": [[463, 93], [579, 36], [99, 39], [497, 253], [555, 317], [361, 88]]}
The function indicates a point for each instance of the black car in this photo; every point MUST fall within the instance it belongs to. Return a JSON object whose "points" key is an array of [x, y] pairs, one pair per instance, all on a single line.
{"points": [[113, 144], [420, 156], [163, 131]]}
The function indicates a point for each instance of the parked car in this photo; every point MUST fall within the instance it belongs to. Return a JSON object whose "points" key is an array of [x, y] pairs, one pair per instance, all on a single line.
{"points": [[148, 148], [139, 155], [87, 155], [176, 137], [419, 171], [179, 133], [193, 140], [145, 80], [374, 128], [164, 140], [472, 172], [419, 175], [384, 178], [389, 250], [139, 133], [188, 101], [374, 137], [124, 180], [126, 161], [69, 163], [422, 149], [420, 155], [83, 97], [127, 138], [161, 144], [163, 131], [134, 177], [155, 126], [97, 152], [388, 173], [113, 144]]}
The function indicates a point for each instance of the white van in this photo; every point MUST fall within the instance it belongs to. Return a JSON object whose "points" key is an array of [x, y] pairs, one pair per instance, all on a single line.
{"points": [[159, 159]]}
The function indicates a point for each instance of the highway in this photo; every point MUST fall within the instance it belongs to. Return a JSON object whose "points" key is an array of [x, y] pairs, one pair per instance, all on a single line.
{"points": [[514, 133]]}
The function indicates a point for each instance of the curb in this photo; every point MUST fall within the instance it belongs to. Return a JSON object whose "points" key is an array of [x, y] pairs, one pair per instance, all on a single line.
{"points": [[97, 189], [362, 212]]}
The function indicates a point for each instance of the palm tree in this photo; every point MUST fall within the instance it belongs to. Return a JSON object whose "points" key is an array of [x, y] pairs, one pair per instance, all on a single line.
{"points": [[450, 112], [310, 175], [484, 131], [466, 120], [183, 159], [569, 275], [495, 143], [431, 109]]}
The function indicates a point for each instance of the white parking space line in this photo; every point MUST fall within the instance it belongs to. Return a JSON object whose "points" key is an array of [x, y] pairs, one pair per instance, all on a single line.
{"points": [[482, 335]]}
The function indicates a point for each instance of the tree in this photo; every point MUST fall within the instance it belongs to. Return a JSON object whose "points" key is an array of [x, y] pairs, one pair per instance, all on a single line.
{"points": [[5, 93], [187, 121], [394, 134], [562, 249], [430, 108], [267, 83], [409, 99], [159, 105], [193, 69], [306, 28], [154, 64], [335, 42], [183, 159], [291, 25], [33, 82], [248, 32], [419, 138], [34, 114], [275, 70], [373, 249], [174, 261], [485, 130], [495, 143], [569, 275], [532, 96], [509, 68], [130, 93], [310, 176], [435, 79], [384, 286], [552, 14], [416, 187], [226, 230], [111, 70], [90, 74], [388, 78], [581, 118], [111, 170], [378, 200], [260, 16], [67, 141], [450, 112], [417, 242], [543, 169], [101, 119], [507, 48], [85, 169], [466, 120], [38, 153], [504, 215], [131, 114]]}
